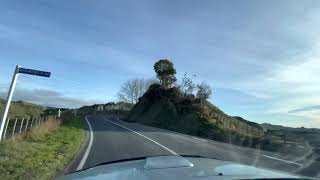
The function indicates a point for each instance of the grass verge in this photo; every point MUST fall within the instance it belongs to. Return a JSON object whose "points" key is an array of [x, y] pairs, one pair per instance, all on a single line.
{"points": [[40, 154]]}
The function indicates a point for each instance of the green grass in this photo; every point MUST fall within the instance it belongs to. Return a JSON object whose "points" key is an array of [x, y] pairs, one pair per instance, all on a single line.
{"points": [[22, 109], [41, 158]]}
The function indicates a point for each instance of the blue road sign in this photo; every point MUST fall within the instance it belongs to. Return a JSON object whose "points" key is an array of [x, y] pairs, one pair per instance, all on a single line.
{"points": [[34, 72]]}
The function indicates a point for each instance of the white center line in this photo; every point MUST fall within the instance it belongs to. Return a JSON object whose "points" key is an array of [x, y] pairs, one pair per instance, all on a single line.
{"points": [[164, 147], [290, 162], [86, 154]]}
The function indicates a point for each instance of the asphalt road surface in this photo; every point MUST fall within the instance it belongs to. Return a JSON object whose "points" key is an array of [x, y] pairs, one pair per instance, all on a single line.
{"points": [[111, 139]]}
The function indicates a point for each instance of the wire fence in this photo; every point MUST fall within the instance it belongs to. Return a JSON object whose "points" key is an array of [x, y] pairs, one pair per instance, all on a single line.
{"points": [[17, 126]]}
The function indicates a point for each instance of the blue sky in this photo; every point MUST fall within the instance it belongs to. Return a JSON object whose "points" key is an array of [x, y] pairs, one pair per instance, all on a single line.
{"points": [[260, 57]]}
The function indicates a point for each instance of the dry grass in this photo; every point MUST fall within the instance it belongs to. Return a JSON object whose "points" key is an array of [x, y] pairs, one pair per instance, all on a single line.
{"points": [[38, 133]]}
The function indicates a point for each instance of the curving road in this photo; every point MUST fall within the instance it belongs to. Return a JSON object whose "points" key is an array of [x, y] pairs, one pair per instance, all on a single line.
{"points": [[111, 139]]}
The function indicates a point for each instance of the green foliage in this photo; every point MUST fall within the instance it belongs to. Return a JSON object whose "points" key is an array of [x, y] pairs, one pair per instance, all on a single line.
{"points": [[204, 92], [165, 72], [22, 158], [187, 86]]}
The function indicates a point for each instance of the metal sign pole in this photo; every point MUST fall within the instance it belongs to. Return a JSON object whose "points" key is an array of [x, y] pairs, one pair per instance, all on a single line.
{"points": [[9, 98], [12, 86]]}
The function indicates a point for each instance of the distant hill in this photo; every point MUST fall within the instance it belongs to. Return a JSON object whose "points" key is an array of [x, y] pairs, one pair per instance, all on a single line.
{"points": [[22, 109], [290, 129], [172, 110]]}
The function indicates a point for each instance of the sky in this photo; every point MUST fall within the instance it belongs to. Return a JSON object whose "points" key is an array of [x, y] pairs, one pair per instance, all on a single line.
{"points": [[261, 58]]}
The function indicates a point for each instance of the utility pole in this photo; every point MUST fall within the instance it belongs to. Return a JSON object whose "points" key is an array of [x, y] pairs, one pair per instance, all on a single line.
{"points": [[12, 87]]}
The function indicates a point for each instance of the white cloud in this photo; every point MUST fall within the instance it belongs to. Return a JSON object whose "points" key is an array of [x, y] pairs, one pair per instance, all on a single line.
{"points": [[290, 86]]}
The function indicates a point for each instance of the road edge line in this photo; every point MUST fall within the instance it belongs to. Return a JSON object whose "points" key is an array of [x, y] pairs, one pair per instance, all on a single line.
{"points": [[286, 161], [204, 140], [157, 143], [86, 154]]}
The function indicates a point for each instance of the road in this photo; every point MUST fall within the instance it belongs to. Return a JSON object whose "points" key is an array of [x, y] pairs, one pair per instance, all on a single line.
{"points": [[112, 139]]}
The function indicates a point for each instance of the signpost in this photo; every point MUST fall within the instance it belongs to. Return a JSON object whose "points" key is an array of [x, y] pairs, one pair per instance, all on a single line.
{"points": [[18, 70], [34, 72]]}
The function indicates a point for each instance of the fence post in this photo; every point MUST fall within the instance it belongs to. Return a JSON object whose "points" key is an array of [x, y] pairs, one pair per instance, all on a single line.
{"points": [[26, 128], [14, 127], [37, 121], [21, 125], [5, 130], [32, 122]]}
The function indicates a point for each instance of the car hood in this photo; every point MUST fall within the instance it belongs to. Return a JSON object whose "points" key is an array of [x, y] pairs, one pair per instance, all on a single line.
{"points": [[176, 167]]}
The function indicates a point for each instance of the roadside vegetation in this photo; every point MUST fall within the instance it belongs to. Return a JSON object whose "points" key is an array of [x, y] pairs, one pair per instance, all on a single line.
{"points": [[44, 152]]}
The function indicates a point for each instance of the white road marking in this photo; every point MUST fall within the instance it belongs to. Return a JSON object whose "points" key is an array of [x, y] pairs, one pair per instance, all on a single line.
{"points": [[86, 154], [199, 139], [164, 147], [290, 162]]}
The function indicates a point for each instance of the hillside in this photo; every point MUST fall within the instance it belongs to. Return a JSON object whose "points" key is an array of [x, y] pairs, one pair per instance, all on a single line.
{"points": [[22, 109], [284, 128], [172, 110]]}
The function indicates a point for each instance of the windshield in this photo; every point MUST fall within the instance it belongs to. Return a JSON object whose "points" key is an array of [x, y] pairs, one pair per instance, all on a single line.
{"points": [[89, 83]]}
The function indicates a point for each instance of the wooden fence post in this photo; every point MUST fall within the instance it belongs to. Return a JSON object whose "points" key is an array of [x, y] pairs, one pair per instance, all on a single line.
{"points": [[37, 122], [14, 127], [25, 129], [5, 130], [32, 122], [21, 125]]}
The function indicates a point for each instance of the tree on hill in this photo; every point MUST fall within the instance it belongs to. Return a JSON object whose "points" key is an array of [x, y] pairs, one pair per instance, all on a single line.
{"points": [[187, 86], [165, 72], [133, 89], [204, 92]]}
